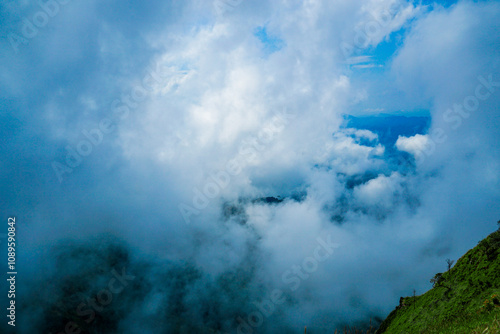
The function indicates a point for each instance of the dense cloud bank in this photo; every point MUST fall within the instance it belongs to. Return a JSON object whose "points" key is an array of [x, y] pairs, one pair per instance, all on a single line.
{"points": [[180, 167]]}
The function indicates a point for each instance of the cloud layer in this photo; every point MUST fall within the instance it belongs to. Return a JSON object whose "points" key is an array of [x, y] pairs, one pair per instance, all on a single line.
{"points": [[202, 148]]}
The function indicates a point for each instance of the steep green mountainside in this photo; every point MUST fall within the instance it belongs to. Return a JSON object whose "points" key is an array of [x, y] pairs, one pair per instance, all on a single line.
{"points": [[465, 299]]}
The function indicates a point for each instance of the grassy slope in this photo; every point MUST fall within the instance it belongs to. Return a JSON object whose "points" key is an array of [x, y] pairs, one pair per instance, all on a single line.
{"points": [[456, 305]]}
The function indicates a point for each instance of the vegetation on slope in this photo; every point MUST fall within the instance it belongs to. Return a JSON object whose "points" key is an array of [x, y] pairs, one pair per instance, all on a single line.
{"points": [[465, 299]]}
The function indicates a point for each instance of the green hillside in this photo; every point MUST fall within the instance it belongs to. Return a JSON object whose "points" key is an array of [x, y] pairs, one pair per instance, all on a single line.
{"points": [[465, 299]]}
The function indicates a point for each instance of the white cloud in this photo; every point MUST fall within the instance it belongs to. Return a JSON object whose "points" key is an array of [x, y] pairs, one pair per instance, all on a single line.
{"points": [[336, 181], [381, 191], [414, 145]]}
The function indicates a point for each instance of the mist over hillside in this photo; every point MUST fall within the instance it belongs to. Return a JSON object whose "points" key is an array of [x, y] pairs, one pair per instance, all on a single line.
{"points": [[241, 166]]}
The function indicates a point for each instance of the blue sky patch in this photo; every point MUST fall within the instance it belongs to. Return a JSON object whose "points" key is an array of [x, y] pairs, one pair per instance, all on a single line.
{"points": [[270, 43]]}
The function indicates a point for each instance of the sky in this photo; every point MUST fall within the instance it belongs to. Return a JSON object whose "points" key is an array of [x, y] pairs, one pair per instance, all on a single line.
{"points": [[242, 166]]}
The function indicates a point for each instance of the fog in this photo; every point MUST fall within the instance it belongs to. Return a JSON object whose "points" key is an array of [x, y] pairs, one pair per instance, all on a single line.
{"points": [[191, 167]]}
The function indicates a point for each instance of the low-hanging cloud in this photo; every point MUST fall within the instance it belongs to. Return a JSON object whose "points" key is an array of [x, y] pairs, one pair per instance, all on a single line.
{"points": [[321, 224]]}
